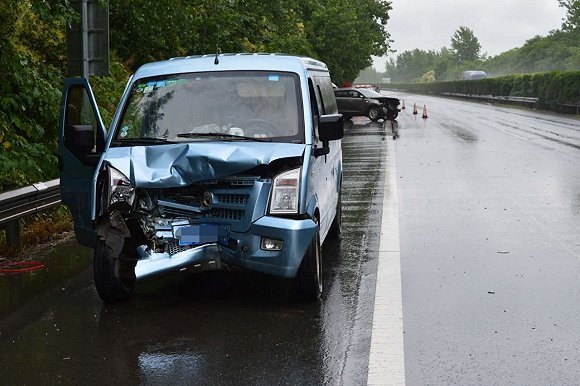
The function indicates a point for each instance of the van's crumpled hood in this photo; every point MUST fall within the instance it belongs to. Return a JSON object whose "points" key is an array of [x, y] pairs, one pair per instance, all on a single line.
{"points": [[174, 165]]}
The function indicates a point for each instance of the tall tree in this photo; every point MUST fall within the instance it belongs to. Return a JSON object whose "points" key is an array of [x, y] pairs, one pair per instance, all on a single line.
{"points": [[342, 33], [346, 33], [572, 21], [465, 45], [411, 65], [32, 58]]}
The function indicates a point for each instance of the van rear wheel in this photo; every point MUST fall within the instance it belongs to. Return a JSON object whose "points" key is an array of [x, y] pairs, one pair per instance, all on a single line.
{"points": [[113, 279], [308, 281]]}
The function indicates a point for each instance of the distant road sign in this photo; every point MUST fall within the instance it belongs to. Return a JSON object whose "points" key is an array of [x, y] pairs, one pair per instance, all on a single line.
{"points": [[88, 39]]}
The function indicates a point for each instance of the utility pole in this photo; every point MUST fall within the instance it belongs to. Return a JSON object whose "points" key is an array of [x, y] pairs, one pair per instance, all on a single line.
{"points": [[85, 37], [88, 39]]}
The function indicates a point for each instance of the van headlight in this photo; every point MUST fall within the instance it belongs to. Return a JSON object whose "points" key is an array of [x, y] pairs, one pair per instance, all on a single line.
{"points": [[121, 192], [285, 193]]}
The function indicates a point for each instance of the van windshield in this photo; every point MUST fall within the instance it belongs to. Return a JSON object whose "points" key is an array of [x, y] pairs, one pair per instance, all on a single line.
{"points": [[210, 106]]}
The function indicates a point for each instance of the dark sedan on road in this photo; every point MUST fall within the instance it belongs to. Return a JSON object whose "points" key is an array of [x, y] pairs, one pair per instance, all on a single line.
{"points": [[365, 102]]}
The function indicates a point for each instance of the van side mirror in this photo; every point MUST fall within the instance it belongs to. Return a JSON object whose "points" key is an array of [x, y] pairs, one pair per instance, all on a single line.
{"points": [[330, 127]]}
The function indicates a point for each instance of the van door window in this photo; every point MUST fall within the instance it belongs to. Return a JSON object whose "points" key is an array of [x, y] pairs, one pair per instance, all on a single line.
{"points": [[320, 93], [82, 133], [314, 99], [324, 85], [316, 105]]}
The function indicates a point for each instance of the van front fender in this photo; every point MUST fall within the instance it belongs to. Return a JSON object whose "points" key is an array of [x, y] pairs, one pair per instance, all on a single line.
{"points": [[311, 206]]}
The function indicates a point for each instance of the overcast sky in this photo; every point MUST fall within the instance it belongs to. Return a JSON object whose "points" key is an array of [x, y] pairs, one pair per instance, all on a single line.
{"points": [[499, 25]]}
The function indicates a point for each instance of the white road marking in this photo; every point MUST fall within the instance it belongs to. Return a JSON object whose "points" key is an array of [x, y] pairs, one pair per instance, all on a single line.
{"points": [[514, 135], [387, 359]]}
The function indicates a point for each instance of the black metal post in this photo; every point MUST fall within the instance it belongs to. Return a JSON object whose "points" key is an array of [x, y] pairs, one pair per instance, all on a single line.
{"points": [[13, 233]]}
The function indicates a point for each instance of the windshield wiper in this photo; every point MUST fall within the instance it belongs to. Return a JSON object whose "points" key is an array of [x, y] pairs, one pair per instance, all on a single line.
{"points": [[141, 140], [226, 135]]}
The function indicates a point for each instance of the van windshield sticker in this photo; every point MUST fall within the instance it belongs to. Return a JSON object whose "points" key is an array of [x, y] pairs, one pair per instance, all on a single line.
{"points": [[124, 131], [274, 78]]}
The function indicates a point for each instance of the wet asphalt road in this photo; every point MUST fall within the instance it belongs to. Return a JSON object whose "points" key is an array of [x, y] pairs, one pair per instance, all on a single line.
{"points": [[489, 220], [209, 328], [489, 217]]}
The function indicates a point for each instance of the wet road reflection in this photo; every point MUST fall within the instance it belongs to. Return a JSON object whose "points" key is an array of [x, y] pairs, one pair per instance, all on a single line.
{"points": [[207, 328], [490, 246]]}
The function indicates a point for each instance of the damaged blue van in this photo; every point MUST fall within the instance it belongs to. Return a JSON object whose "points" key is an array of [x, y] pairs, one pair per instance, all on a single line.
{"points": [[210, 162]]}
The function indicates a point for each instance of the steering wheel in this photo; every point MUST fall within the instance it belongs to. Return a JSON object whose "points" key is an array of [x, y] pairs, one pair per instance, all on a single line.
{"points": [[260, 126]]}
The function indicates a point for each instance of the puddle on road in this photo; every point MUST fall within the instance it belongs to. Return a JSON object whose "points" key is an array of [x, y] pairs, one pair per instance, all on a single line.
{"points": [[463, 134], [61, 263]]}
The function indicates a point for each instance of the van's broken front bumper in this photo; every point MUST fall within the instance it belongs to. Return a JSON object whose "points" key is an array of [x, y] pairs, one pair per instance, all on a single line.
{"points": [[244, 250]]}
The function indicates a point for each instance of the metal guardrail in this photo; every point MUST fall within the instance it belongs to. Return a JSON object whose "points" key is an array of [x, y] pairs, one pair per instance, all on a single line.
{"points": [[18, 203], [490, 98], [566, 108]]}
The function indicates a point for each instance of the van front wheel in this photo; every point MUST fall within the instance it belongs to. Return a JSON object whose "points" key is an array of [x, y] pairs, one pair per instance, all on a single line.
{"points": [[112, 281], [308, 281], [373, 113]]}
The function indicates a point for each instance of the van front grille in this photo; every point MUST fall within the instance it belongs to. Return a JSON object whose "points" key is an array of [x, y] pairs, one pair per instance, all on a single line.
{"points": [[173, 247], [231, 197], [238, 199], [228, 214]]}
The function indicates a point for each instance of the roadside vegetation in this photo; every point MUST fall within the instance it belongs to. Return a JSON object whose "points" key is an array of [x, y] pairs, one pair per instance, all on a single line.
{"points": [[559, 51], [46, 227], [556, 91], [33, 55]]}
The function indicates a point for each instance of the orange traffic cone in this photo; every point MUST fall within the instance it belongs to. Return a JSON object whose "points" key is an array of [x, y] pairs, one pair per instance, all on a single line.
{"points": [[424, 112], [415, 109], [403, 106]]}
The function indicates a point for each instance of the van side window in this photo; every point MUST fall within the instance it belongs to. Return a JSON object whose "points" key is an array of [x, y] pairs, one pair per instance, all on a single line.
{"points": [[324, 85], [316, 106], [314, 99], [320, 93]]}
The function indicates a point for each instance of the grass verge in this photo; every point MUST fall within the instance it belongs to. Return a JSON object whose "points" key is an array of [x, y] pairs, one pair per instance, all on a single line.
{"points": [[48, 226]]}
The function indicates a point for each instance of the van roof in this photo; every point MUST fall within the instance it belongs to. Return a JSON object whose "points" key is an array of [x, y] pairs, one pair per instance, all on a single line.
{"points": [[231, 62]]}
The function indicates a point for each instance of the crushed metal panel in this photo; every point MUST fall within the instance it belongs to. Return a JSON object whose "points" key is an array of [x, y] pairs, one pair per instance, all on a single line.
{"points": [[175, 165]]}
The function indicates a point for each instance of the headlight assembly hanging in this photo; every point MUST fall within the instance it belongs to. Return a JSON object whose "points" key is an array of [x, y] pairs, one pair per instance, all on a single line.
{"points": [[121, 192]]}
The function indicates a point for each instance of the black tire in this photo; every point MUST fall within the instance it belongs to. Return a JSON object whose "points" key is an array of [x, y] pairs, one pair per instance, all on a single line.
{"points": [[113, 277], [347, 116], [308, 281], [374, 113], [336, 226]]}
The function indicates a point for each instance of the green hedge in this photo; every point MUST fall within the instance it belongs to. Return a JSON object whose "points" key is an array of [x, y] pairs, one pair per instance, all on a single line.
{"points": [[551, 88]]}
